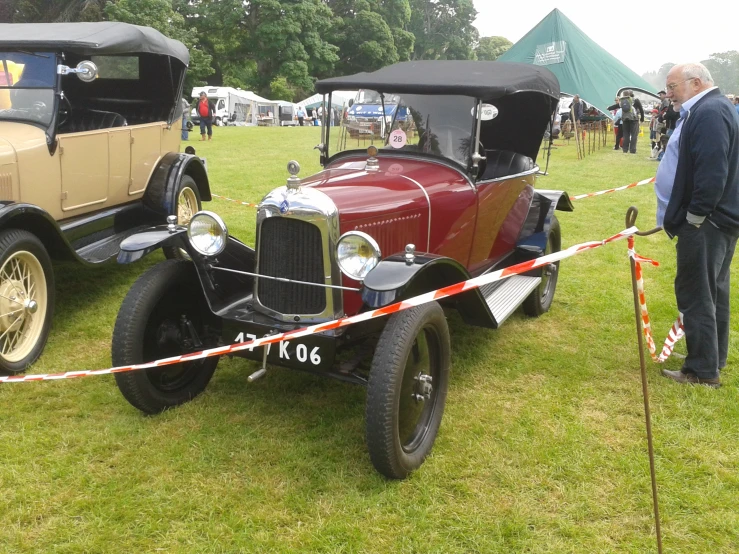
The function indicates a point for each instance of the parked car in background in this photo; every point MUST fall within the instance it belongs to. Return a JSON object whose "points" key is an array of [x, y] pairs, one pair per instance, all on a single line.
{"points": [[90, 124], [446, 196]]}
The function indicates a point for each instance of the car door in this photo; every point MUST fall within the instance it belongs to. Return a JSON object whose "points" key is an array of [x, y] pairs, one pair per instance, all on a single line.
{"points": [[84, 159], [146, 147], [502, 207]]}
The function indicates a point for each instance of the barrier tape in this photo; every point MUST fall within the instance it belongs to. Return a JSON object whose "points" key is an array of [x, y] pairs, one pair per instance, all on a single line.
{"points": [[248, 204], [578, 197], [631, 186], [676, 332], [321, 327]]}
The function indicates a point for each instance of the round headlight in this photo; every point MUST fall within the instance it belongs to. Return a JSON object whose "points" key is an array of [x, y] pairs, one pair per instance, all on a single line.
{"points": [[207, 233], [357, 253]]}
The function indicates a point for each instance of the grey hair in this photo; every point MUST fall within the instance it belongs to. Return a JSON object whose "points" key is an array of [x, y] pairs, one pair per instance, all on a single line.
{"points": [[697, 71]]}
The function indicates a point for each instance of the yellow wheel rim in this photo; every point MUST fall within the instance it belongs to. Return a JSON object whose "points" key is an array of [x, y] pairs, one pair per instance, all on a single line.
{"points": [[187, 206], [23, 305]]}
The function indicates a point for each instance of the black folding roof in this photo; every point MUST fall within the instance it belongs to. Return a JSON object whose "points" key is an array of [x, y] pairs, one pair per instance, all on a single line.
{"points": [[487, 80], [91, 38]]}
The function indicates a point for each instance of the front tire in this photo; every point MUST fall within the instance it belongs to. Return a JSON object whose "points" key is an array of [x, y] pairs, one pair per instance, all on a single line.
{"points": [[164, 314], [188, 204], [407, 389], [540, 300], [26, 299]]}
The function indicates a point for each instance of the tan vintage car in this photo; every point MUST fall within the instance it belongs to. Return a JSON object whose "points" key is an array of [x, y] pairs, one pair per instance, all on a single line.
{"points": [[89, 154]]}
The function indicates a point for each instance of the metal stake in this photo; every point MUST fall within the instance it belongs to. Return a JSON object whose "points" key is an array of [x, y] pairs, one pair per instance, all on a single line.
{"points": [[631, 219]]}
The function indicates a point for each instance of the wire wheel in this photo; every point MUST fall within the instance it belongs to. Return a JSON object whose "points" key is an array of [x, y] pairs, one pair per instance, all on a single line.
{"points": [[23, 305], [187, 205]]}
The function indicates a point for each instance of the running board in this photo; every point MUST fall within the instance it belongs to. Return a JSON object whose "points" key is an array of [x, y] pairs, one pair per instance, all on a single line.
{"points": [[107, 248], [503, 297]]}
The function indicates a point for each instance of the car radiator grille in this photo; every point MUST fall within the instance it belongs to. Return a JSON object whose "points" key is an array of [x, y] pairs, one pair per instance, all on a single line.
{"points": [[291, 249]]}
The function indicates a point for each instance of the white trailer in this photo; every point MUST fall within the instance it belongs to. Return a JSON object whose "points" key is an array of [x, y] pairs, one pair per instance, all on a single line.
{"points": [[232, 106]]}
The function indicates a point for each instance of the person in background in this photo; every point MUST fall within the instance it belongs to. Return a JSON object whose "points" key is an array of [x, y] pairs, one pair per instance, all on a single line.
{"points": [[557, 126], [617, 127], [301, 115], [577, 108], [629, 121], [185, 106], [654, 128], [205, 110], [664, 103], [736, 104], [670, 118], [699, 180]]}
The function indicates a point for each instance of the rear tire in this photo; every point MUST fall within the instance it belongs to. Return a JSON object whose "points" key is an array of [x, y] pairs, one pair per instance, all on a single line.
{"points": [[540, 300], [156, 321], [188, 204], [407, 388]]}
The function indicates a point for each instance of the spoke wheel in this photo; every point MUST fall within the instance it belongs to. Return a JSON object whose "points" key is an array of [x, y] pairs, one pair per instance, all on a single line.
{"points": [[165, 314], [407, 389], [540, 299], [26, 299], [188, 204]]}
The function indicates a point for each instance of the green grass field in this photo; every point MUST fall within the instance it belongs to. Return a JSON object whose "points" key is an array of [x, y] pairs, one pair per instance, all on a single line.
{"points": [[542, 447]]}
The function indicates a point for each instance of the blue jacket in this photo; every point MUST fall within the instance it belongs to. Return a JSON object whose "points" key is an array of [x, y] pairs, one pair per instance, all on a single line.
{"points": [[707, 175]]}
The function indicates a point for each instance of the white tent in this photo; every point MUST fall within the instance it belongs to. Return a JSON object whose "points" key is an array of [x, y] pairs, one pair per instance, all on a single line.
{"points": [[338, 98]]}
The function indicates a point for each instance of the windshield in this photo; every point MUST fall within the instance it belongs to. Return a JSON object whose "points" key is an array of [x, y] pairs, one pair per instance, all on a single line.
{"points": [[365, 96], [27, 86], [441, 125]]}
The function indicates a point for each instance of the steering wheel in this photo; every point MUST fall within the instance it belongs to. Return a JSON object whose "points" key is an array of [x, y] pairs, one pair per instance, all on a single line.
{"points": [[65, 110]]}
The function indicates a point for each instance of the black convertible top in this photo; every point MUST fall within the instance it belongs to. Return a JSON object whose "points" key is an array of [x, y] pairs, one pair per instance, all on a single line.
{"points": [[91, 38], [486, 80]]}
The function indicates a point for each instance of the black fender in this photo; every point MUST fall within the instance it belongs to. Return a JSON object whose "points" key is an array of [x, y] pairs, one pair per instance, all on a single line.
{"points": [[227, 293], [161, 192], [137, 246], [35, 220], [395, 279], [559, 198], [532, 239]]}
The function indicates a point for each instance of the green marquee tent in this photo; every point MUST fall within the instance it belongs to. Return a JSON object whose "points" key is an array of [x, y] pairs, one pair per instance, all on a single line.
{"points": [[581, 66]]}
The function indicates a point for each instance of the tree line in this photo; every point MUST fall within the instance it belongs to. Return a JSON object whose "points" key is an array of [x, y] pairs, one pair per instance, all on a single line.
{"points": [[724, 68], [279, 48]]}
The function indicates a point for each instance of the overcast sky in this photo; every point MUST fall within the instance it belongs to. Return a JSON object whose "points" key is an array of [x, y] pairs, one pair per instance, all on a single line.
{"points": [[709, 27]]}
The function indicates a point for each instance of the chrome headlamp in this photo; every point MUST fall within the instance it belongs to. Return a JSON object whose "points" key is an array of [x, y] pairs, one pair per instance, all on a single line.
{"points": [[357, 253], [207, 233]]}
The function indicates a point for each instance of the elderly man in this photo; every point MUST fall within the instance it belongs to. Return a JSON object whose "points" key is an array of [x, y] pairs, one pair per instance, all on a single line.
{"points": [[698, 201], [577, 108]]}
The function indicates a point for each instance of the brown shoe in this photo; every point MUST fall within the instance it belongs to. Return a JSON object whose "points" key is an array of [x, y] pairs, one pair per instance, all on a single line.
{"points": [[691, 379]]}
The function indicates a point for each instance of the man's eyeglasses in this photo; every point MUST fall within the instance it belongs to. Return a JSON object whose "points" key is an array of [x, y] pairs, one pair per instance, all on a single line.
{"points": [[673, 86]]}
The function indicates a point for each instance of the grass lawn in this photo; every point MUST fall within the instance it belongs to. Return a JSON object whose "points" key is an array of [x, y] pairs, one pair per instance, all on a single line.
{"points": [[542, 447]]}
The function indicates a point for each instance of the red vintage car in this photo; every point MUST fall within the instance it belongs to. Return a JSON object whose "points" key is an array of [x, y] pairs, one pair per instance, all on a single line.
{"points": [[446, 194]]}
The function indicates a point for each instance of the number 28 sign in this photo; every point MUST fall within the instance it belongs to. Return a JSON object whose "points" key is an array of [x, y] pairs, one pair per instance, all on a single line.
{"points": [[398, 138]]}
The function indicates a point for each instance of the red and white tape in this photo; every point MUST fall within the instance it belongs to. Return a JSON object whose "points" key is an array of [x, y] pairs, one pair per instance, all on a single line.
{"points": [[578, 197], [676, 332], [630, 186], [321, 327], [248, 204]]}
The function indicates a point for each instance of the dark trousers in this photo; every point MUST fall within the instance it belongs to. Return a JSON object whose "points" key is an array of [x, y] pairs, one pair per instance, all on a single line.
{"points": [[631, 132], [619, 136], [702, 289], [206, 123]]}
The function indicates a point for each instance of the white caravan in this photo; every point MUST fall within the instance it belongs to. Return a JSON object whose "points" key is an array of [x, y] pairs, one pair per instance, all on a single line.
{"points": [[232, 106]]}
